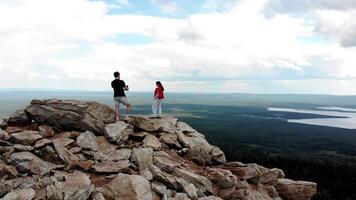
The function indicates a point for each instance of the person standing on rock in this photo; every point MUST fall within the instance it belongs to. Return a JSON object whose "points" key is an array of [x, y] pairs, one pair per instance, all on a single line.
{"points": [[119, 88], [157, 100]]}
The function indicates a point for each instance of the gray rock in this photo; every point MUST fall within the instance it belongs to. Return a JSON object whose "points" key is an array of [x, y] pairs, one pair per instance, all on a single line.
{"points": [[4, 135], [7, 172], [127, 187], [24, 194], [200, 150], [210, 198], [62, 141], [53, 193], [42, 143], [179, 196], [223, 179], [77, 185], [26, 137], [202, 183], [188, 188], [185, 128], [168, 179], [111, 167], [29, 163], [87, 140], [98, 196], [46, 131], [152, 141], [119, 154], [164, 124], [104, 145], [19, 118], [116, 132], [3, 123], [64, 153], [71, 114], [296, 190], [171, 140], [80, 194], [165, 162], [20, 147], [143, 158], [158, 187]]}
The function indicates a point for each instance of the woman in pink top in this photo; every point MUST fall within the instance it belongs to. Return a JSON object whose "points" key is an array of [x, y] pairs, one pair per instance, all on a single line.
{"points": [[157, 100]]}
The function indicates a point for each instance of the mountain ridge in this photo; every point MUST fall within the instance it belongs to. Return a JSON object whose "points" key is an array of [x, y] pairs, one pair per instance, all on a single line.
{"points": [[69, 149]]}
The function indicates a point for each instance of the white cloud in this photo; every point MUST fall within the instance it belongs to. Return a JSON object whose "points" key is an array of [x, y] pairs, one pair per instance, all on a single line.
{"points": [[64, 44], [166, 6]]}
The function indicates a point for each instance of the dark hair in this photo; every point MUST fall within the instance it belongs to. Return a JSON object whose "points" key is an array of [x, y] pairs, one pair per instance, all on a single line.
{"points": [[160, 85], [116, 74]]}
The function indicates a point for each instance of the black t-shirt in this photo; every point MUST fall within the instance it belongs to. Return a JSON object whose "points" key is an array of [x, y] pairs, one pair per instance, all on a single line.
{"points": [[118, 86]]}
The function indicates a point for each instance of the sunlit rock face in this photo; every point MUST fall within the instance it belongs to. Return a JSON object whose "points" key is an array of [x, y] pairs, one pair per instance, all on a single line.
{"points": [[65, 149]]}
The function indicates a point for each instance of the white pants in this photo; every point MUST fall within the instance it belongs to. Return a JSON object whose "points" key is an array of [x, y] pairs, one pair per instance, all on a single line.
{"points": [[157, 107]]}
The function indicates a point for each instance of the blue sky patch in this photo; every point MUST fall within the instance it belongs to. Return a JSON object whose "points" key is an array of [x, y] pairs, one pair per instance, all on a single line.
{"points": [[131, 39]]}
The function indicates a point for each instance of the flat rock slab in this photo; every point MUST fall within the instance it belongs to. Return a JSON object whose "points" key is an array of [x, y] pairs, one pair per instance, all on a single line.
{"points": [[111, 167], [164, 124], [24, 194], [127, 187], [26, 137], [296, 190], [87, 140], [71, 114], [29, 163], [152, 141], [19, 118], [115, 132]]}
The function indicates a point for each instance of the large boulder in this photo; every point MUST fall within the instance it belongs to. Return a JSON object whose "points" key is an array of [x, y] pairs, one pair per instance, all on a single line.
{"points": [[87, 140], [202, 183], [19, 118], [29, 163], [164, 124], [296, 190], [152, 141], [143, 157], [117, 132], [255, 172], [77, 185], [71, 114], [165, 162], [200, 150], [26, 137], [127, 187]]}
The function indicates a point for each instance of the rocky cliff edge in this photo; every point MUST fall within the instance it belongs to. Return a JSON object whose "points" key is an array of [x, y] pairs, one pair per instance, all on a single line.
{"points": [[65, 149]]}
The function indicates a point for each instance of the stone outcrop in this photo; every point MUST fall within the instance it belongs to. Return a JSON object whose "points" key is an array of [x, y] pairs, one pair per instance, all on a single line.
{"points": [[127, 187], [289, 189], [71, 114], [65, 149], [19, 118]]}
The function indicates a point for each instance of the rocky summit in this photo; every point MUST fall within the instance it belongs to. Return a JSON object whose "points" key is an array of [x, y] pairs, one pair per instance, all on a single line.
{"points": [[75, 150]]}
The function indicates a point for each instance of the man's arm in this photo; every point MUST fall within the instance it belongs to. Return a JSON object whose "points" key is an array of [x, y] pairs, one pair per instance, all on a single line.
{"points": [[126, 87]]}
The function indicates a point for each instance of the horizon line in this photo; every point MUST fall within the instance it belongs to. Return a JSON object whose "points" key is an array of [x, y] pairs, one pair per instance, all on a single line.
{"points": [[177, 92]]}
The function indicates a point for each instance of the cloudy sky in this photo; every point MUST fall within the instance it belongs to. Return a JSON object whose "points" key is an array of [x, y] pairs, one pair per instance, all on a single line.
{"points": [[257, 46]]}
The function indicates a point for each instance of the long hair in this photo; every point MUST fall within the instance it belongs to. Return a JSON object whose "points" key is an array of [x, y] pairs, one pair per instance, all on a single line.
{"points": [[160, 85]]}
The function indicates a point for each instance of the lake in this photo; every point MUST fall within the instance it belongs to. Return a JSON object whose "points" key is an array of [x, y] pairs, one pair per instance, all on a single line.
{"points": [[344, 117]]}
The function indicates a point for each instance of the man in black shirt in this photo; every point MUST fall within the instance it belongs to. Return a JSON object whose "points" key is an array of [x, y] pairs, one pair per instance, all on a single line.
{"points": [[119, 88]]}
